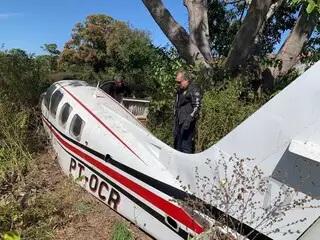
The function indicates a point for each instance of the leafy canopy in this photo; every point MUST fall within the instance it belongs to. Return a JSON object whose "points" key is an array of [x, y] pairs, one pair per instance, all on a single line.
{"points": [[102, 42], [312, 5]]}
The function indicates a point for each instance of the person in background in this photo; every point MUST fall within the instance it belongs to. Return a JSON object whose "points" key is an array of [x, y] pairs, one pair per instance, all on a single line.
{"points": [[117, 89], [186, 111]]}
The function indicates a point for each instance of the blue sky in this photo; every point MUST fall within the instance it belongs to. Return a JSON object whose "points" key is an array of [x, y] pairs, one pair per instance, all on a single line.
{"points": [[28, 24]]}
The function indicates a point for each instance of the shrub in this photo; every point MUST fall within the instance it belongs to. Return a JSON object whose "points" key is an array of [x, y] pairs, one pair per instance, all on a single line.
{"points": [[243, 195], [160, 116], [22, 76], [222, 110], [14, 140]]}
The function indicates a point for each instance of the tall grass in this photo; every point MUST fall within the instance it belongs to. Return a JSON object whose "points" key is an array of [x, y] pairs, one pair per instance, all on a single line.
{"points": [[14, 140], [22, 79]]}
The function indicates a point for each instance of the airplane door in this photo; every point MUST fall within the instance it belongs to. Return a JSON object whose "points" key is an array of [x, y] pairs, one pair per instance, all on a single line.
{"points": [[53, 114], [45, 106]]}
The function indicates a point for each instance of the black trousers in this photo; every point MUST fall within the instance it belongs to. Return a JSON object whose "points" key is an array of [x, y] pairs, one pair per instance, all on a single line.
{"points": [[184, 138]]}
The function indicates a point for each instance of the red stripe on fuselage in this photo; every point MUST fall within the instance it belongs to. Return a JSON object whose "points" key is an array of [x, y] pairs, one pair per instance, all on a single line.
{"points": [[99, 120], [166, 206]]}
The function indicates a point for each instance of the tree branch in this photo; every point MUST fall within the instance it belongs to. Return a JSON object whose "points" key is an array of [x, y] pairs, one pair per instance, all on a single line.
{"points": [[198, 25], [233, 2], [244, 39], [178, 36], [274, 7], [290, 51]]}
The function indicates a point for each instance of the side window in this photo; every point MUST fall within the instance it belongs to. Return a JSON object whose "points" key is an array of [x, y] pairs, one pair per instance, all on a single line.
{"points": [[55, 100], [65, 112], [76, 127], [48, 95]]}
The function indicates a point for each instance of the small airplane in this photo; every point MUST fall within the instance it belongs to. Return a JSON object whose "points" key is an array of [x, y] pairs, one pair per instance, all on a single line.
{"points": [[116, 159]]}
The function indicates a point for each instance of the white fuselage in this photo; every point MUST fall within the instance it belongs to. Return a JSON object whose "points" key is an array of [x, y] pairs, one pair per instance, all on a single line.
{"points": [[121, 163], [116, 159]]}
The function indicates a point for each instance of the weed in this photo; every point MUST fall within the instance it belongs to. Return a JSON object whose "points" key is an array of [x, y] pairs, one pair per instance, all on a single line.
{"points": [[121, 232], [82, 208], [236, 196], [11, 236]]}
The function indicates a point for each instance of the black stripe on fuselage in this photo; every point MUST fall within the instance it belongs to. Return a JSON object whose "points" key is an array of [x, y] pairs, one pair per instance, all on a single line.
{"points": [[181, 195], [173, 192], [183, 234]]}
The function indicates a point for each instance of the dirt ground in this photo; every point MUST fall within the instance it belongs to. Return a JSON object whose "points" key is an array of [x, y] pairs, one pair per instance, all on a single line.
{"points": [[82, 216]]}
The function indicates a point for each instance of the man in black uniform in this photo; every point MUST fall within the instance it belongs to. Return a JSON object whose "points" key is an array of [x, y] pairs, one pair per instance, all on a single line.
{"points": [[116, 89], [186, 111]]}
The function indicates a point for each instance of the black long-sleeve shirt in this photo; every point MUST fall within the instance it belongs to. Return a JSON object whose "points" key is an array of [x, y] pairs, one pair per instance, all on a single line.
{"points": [[187, 104]]}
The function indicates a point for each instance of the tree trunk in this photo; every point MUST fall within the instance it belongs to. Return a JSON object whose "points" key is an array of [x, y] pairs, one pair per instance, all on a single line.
{"points": [[198, 25], [288, 54], [178, 36], [245, 37], [292, 47], [274, 7]]}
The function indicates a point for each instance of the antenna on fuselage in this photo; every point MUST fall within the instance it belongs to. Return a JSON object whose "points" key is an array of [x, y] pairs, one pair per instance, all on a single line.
{"points": [[96, 91]]}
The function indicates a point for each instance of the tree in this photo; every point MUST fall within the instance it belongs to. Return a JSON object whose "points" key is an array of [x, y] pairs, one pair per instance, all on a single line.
{"points": [[192, 47], [290, 52], [312, 5], [280, 18], [22, 76], [223, 26], [102, 47], [198, 25], [311, 51], [51, 59], [102, 42], [51, 48], [243, 39], [291, 49]]}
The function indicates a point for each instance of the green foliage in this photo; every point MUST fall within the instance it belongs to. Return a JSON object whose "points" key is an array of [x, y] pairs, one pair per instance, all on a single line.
{"points": [[226, 17], [15, 157], [223, 26], [51, 48], [163, 69], [22, 79], [311, 51], [121, 232], [282, 20], [311, 5], [11, 236], [14, 139], [44, 212], [51, 60], [10, 214], [222, 110], [102, 47], [35, 215], [227, 104], [22, 76]]}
